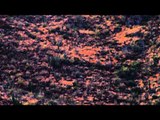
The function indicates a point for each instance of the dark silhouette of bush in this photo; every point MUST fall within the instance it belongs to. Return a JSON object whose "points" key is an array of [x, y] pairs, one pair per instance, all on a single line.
{"points": [[156, 60], [129, 71]]}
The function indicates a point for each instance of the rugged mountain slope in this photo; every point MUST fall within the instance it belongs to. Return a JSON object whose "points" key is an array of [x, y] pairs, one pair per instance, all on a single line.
{"points": [[80, 60]]}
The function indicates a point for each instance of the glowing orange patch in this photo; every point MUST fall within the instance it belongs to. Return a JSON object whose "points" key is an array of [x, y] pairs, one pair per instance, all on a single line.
{"points": [[141, 84], [43, 29], [158, 93], [154, 85], [79, 98], [154, 78], [30, 101], [33, 101], [86, 32], [90, 98], [121, 36], [27, 42], [22, 34], [88, 51], [73, 54], [65, 82], [87, 82], [114, 60], [45, 44], [108, 23], [158, 39]]}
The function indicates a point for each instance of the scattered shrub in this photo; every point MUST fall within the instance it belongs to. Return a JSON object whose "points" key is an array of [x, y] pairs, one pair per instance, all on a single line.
{"points": [[14, 100], [129, 71], [31, 35], [54, 61], [156, 60]]}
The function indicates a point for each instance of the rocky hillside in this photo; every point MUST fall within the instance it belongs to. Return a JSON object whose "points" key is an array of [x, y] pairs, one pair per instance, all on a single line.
{"points": [[79, 60]]}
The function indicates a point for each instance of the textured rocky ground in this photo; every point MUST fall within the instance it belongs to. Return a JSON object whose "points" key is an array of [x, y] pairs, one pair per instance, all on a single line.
{"points": [[80, 60]]}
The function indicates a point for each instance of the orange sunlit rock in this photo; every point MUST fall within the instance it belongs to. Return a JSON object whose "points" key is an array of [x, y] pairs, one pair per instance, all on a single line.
{"points": [[79, 98], [114, 60], [45, 44], [30, 101], [86, 32], [154, 85], [27, 42], [87, 82], [90, 98], [74, 54], [158, 93], [88, 51], [65, 82], [155, 77], [44, 30], [108, 23], [121, 36], [141, 84]]}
